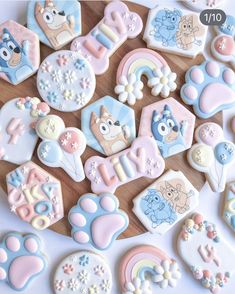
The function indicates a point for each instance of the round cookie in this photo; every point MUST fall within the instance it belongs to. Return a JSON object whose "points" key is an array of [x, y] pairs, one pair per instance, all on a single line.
{"points": [[83, 272]]}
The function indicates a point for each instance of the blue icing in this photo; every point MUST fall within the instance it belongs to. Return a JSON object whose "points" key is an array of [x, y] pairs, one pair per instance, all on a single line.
{"points": [[43, 207], [144, 70], [224, 152], [49, 188], [50, 152], [228, 27], [16, 178]]}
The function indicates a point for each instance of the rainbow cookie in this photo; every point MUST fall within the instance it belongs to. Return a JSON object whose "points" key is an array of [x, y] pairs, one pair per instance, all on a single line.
{"points": [[117, 25], [144, 264], [229, 205], [212, 154], [145, 62], [199, 5]]}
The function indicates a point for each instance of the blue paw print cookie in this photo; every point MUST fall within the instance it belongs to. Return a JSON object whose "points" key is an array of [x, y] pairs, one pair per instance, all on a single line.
{"points": [[97, 220]]}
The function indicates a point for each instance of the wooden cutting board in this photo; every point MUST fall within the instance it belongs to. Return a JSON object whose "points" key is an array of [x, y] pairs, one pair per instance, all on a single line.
{"points": [[92, 12]]}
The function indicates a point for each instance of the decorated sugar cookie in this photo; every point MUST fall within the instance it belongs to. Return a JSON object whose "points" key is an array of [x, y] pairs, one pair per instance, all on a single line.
{"points": [[212, 154], [83, 272], [209, 88], [19, 52], [209, 257], [229, 205], [170, 124], [66, 81], [56, 22], [176, 31], [200, 5], [21, 260], [97, 219], [109, 125], [17, 136], [164, 203], [145, 62], [60, 146], [144, 265], [117, 25], [35, 196], [142, 159]]}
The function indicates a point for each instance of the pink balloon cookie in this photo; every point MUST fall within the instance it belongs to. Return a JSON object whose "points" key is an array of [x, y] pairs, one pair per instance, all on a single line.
{"points": [[142, 159], [35, 196], [19, 52], [60, 146], [144, 265], [117, 25], [17, 136]]}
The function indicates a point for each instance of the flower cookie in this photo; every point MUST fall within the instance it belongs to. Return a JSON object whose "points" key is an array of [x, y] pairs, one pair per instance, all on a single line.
{"points": [[66, 81], [56, 22], [142, 159], [97, 219], [19, 52], [176, 31], [83, 272], [229, 208], [145, 62], [200, 5], [109, 125], [35, 196], [170, 124], [212, 154], [209, 88], [164, 203], [145, 265], [117, 25], [209, 257], [17, 136], [60, 146], [21, 260]]}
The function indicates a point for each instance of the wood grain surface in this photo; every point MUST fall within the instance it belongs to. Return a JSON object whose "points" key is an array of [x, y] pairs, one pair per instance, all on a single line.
{"points": [[92, 12]]}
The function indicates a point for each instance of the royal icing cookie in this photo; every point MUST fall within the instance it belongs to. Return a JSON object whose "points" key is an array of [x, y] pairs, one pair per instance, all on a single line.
{"points": [[19, 52], [17, 136], [200, 5], [97, 219], [209, 88], [229, 207], [176, 31], [143, 62], [170, 124], [66, 81], [61, 147], [164, 203], [21, 260], [209, 257], [109, 125], [56, 22], [142, 159], [117, 25], [35, 196], [143, 265], [83, 272]]}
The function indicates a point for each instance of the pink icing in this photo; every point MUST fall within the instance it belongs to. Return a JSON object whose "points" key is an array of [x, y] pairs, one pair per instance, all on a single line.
{"points": [[107, 203], [210, 133], [69, 141], [197, 76], [81, 237], [13, 244], [229, 76], [213, 69], [31, 245], [224, 45], [3, 255], [190, 92], [3, 274], [78, 219], [88, 205]]}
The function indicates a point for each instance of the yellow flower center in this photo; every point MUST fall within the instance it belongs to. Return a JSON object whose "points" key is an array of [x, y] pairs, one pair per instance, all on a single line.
{"points": [[129, 88], [164, 80], [167, 275]]}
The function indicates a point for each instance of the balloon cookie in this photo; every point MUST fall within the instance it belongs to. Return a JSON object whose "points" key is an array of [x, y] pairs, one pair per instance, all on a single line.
{"points": [[209, 88], [170, 124], [165, 202], [97, 219], [60, 146], [145, 62], [19, 52], [209, 257], [200, 5], [176, 31], [56, 22], [117, 25], [212, 154], [21, 260], [35, 196], [144, 265], [17, 136], [66, 81], [109, 125], [229, 205], [140, 160], [83, 272]]}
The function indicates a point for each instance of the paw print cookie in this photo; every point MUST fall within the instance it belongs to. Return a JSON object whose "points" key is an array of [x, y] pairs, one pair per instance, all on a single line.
{"points": [[83, 272], [21, 260], [97, 219]]}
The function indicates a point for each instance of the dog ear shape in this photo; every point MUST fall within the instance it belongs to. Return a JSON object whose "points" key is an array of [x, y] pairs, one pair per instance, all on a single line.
{"points": [[38, 8], [6, 35], [94, 118], [49, 3], [103, 111]]}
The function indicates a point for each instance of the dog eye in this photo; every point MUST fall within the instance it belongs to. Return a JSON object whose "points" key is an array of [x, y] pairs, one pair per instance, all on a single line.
{"points": [[11, 45], [170, 123], [54, 11], [162, 129], [104, 129], [48, 17], [110, 122], [5, 54]]}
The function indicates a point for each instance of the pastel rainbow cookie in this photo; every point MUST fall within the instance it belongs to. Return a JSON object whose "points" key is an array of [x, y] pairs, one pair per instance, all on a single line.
{"points": [[143, 261], [145, 62]]}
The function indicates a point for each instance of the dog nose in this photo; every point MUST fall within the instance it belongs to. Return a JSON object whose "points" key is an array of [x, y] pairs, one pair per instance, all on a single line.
{"points": [[175, 128], [117, 123], [17, 50], [61, 13]]}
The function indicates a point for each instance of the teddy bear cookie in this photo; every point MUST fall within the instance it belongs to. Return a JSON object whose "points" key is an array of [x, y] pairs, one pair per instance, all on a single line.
{"points": [[56, 22]]}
